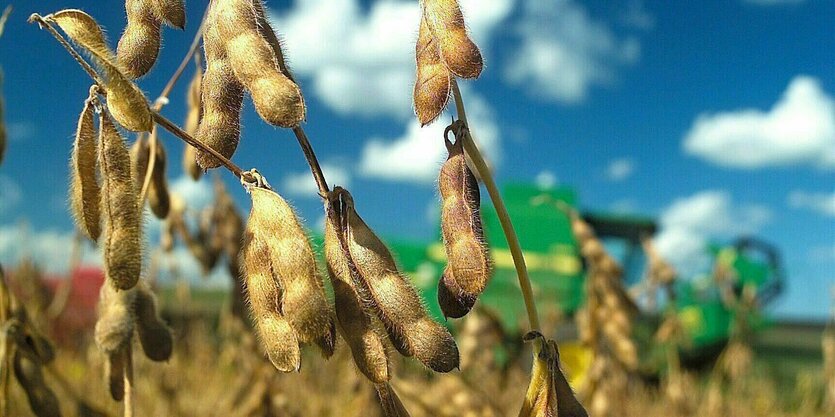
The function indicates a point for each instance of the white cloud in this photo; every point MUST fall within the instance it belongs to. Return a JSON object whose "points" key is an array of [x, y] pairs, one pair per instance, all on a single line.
{"points": [[799, 129], [51, 249], [637, 16], [417, 154], [546, 179], [10, 194], [689, 224], [563, 51], [362, 62], [196, 194], [302, 184], [620, 169], [822, 203]]}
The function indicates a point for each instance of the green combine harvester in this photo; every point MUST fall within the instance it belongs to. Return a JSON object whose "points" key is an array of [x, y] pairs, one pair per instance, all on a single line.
{"points": [[558, 274]]}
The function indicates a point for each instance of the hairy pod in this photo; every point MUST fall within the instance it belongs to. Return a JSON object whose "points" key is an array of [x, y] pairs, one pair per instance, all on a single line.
{"points": [[454, 304], [549, 394], [192, 123], [42, 400], [117, 318], [433, 79], [140, 155], [172, 12], [257, 62], [221, 97], [154, 334], [277, 337], [356, 325], [114, 373], [458, 51], [158, 198], [290, 258], [122, 226], [139, 45], [85, 191], [396, 302], [469, 261]]}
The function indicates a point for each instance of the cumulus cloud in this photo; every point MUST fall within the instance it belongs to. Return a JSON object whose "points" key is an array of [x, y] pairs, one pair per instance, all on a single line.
{"points": [[301, 184], [196, 194], [822, 203], [563, 51], [689, 224], [51, 249], [620, 169], [799, 129], [416, 155], [360, 59]]}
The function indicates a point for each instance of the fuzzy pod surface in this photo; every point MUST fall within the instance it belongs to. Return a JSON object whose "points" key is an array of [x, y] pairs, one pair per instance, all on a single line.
{"points": [[154, 335], [42, 400], [458, 51], [395, 301], [433, 79], [356, 324], [85, 191], [122, 222], [158, 197], [192, 123], [116, 319], [257, 62]]}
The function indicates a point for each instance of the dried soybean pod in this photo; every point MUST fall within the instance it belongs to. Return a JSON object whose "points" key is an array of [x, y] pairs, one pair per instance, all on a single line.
{"points": [[390, 402], [293, 264], [355, 324], [394, 299], [85, 191], [139, 45], [458, 51], [140, 154], [469, 262], [114, 371], [433, 79], [116, 318], [278, 100], [549, 394], [154, 335], [122, 248], [193, 121], [222, 97], [277, 336], [172, 12], [453, 304], [28, 372], [158, 198]]}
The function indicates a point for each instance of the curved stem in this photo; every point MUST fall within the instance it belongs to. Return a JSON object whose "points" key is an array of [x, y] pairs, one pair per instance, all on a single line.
{"points": [[310, 156], [84, 64], [195, 44], [480, 164]]}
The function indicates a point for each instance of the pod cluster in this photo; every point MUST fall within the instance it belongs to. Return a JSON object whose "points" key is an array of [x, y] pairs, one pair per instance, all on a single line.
{"points": [[549, 394], [443, 50], [242, 54], [468, 261], [140, 42], [372, 293], [285, 290]]}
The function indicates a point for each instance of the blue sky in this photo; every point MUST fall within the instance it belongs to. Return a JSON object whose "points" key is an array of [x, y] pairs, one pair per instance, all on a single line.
{"points": [[716, 117]]}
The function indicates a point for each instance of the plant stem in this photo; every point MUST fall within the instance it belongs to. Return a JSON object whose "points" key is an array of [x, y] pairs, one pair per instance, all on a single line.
{"points": [[180, 133], [310, 156], [195, 44], [90, 71], [129, 398], [472, 150]]}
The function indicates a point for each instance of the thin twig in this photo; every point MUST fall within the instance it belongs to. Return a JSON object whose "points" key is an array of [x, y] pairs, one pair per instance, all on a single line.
{"points": [[501, 211], [195, 43], [54, 32], [180, 133], [310, 156], [129, 398]]}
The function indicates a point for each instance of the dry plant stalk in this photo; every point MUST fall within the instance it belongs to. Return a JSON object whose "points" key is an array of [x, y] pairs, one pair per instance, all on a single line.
{"points": [[122, 227], [85, 191], [468, 268], [549, 394], [139, 45], [285, 290], [125, 100], [391, 296]]}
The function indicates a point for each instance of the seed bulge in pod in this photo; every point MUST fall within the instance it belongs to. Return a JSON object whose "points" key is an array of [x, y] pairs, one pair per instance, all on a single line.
{"points": [[394, 299], [85, 191], [293, 264], [154, 334], [116, 318], [355, 324], [172, 12], [139, 45], [42, 400], [433, 79], [277, 337], [458, 51], [140, 154], [121, 248], [453, 304], [192, 123], [158, 198]]}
